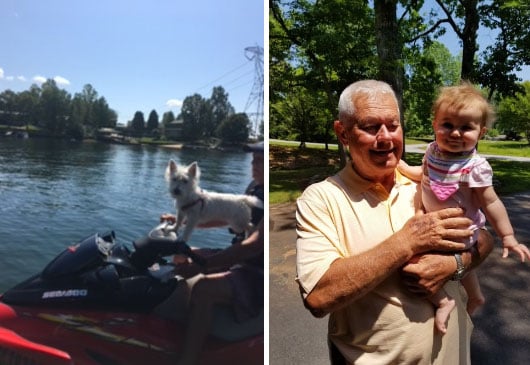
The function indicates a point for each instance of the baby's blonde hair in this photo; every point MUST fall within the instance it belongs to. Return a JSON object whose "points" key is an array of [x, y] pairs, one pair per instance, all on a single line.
{"points": [[462, 96]]}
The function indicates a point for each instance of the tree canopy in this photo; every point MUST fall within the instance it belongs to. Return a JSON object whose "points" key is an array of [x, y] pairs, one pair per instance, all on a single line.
{"points": [[58, 114], [319, 47]]}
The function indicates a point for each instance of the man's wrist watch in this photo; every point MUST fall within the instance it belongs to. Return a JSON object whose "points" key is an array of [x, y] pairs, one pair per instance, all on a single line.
{"points": [[460, 268]]}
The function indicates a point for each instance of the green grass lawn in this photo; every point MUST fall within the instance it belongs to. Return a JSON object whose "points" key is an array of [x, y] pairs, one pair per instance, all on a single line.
{"points": [[287, 182]]}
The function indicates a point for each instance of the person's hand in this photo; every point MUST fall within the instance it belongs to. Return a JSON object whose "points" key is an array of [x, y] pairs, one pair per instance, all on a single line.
{"points": [[442, 230], [187, 269], [426, 274], [166, 217], [510, 244]]}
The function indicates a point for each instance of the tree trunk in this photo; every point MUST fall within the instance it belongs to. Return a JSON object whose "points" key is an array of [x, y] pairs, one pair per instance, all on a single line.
{"points": [[469, 39], [389, 49]]}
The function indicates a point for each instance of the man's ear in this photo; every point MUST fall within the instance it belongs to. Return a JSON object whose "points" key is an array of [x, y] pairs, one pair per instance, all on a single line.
{"points": [[340, 131]]}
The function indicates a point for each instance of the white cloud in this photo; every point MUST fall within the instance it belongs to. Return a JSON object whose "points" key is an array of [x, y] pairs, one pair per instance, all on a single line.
{"points": [[21, 78], [174, 103], [1, 73], [9, 78], [61, 80], [39, 79]]}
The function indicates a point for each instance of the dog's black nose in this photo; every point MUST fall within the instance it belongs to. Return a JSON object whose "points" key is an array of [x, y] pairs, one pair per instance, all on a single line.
{"points": [[176, 191]]}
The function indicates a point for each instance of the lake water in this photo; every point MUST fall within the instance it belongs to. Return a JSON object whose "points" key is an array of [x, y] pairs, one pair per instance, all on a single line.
{"points": [[54, 193]]}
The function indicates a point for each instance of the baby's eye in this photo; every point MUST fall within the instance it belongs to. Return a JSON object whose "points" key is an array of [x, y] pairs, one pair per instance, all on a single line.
{"points": [[447, 125]]}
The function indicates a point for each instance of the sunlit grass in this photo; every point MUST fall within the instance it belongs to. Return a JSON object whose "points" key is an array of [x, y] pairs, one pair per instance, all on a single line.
{"points": [[503, 148]]}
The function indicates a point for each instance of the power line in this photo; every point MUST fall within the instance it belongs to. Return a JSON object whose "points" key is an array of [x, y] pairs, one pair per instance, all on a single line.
{"points": [[224, 75]]}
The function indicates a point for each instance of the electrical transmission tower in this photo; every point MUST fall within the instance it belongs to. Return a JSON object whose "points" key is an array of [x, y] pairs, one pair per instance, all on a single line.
{"points": [[256, 94]]}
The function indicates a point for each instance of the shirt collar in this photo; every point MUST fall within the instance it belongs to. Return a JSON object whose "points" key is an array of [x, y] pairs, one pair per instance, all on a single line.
{"points": [[358, 185]]}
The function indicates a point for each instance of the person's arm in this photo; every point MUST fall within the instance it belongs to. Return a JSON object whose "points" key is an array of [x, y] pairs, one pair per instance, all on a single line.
{"points": [[171, 218], [349, 278], [221, 259], [250, 247], [412, 172], [426, 274], [497, 216]]}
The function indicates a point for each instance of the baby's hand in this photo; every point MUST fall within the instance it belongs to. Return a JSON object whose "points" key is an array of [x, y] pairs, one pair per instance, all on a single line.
{"points": [[510, 244], [412, 172]]}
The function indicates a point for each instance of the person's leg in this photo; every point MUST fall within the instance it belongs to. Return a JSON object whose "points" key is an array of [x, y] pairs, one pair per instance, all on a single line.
{"points": [[474, 293], [444, 305], [208, 291]]}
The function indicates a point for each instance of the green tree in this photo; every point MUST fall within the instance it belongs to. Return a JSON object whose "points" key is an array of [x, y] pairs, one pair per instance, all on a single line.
{"points": [[87, 99], [302, 115], [514, 112], [104, 116], [196, 114], [168, 117], [78, 112], [55, 108], [447, 65], [234, 128], [8, 107], [427, 69], [137, 125], [322, 46], [511, 48], [221, 109], [28, 106], [152, 122]]}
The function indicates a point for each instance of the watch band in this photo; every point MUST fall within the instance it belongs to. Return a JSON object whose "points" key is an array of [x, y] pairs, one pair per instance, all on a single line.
{"points": [[460, 268]]}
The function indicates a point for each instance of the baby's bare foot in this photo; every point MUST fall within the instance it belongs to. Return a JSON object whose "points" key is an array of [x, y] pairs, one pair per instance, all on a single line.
{"points": [[442, 314]]}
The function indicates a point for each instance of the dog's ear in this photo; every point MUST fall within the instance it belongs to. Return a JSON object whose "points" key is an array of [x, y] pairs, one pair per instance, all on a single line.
{"points": [[170, 169], [193, 170], [172, 166]]}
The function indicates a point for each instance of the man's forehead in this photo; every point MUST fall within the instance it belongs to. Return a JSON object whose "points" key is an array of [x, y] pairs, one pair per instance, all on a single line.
{"points": [[382, 107]]}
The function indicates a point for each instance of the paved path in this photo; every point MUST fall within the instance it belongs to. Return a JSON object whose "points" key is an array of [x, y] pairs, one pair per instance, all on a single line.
{"points": [[420, 148], [502, 327]]}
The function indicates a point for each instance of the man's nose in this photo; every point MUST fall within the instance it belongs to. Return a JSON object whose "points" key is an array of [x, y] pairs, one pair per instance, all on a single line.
{"points": [[383, 134]]}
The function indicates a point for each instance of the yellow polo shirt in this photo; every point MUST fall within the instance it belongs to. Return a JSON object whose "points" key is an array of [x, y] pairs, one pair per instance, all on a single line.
{"points": [[345, 215]]}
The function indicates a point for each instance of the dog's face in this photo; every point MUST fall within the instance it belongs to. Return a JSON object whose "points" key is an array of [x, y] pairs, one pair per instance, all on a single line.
{"points": [[182, 181]]}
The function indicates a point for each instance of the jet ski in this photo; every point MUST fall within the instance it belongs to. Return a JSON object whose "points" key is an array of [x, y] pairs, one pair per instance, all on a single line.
{"points": [[94, 304]]}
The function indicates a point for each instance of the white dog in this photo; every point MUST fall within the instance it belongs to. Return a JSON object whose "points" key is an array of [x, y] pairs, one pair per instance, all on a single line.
{"points": [[196, 206]]}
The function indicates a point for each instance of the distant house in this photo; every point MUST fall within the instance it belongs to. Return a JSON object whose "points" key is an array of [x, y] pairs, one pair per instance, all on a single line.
{"points": [[173, 130], [110, 135]]}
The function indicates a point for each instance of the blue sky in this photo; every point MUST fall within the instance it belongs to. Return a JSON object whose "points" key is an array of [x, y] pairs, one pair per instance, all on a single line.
{"points": [[139, 55]]}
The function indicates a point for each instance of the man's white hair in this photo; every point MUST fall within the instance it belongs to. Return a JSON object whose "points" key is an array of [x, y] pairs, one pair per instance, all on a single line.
{"points": [[367, 88]]}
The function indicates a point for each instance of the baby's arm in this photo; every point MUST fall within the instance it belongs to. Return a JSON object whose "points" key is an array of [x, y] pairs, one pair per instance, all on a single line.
{"points": [[497, 215], [412, 172]]}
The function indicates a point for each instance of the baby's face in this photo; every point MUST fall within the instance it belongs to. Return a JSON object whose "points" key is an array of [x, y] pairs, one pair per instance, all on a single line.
{"points": [[458, 130]]}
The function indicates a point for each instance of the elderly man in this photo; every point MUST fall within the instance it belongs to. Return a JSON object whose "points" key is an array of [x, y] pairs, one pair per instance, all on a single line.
{"points": [[365, 257]]}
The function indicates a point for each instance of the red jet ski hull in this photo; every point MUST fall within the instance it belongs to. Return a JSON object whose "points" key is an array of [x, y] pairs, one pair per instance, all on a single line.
{"points": [[57, 336]]}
